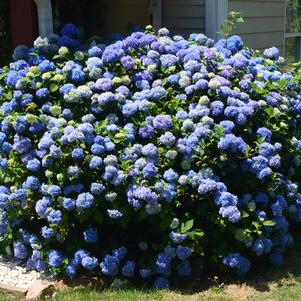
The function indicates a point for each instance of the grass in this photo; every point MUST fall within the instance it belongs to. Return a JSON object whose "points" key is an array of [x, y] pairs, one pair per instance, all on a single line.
{"points": [[264, 284]]}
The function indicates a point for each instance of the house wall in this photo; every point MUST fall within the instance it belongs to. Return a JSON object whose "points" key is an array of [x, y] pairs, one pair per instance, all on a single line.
{"points": [[184, 16], [102, 17], [264, 22], [137, 12]]}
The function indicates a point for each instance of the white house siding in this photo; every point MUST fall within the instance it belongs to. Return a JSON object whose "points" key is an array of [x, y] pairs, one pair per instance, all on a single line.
{"points": [[184, 16], [264, 22]]}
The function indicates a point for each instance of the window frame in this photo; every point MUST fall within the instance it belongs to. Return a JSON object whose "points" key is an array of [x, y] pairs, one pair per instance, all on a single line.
{"points": [[291, 35]]}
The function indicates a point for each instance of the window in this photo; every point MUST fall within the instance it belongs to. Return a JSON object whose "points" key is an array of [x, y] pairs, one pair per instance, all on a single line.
{"points": [[293, 30]]}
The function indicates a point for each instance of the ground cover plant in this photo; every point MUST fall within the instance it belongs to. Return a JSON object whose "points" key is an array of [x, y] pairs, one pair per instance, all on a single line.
{"points": [[135, 159]]}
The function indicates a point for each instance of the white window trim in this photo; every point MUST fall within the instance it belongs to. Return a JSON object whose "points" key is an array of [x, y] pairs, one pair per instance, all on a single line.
{"points": [[157, 13], [45, 18], [216, 13]]}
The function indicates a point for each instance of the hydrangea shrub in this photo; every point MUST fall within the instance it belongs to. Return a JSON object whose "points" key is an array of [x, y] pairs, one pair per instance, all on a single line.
{"points": [[133, 159]]}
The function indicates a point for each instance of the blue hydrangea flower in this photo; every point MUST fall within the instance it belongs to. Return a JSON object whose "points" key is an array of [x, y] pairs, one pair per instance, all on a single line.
{"points": [[70, 30], [54, 217], [54, 190], [71, 270], [46, 65], [77, 153], [55, 258], [95, 51], [161, 283], [264, 132], [162, 122], [3, 164], [20, 250], [95, 162], [69, 204], [163, 264], [78, 256], [114, 213], [33, 165], [89, 263], [109, 266], [183, 252], [128, 269], [84, 201], [42, 206], [237, 262], [177, 237], [128, 62], [47, 233], [170, 176], [272, 53], [42, 93], [231, 213], [91, 235], [120, 253]]}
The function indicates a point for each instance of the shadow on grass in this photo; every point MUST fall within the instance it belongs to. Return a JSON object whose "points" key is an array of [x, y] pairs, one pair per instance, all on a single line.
{"points": [[262, 278]]}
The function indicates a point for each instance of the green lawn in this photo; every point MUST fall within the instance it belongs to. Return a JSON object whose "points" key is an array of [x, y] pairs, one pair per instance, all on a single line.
{"points": [[266, 284]]}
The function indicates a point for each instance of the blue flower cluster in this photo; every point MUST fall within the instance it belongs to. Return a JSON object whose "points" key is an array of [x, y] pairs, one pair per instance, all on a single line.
{"points": [[167, 146], [237, 262]]}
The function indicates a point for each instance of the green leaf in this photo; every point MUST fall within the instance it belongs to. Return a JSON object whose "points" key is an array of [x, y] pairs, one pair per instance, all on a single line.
{"points": [[219, 131], [8, 95], [2, 75], [56, 57], [256, 224], [197, 232], [261, 140], [257, 89], [53, 87], [269, 111], [101, 124], [269, 223], [245, 214], [187, 226], [8, 251]]}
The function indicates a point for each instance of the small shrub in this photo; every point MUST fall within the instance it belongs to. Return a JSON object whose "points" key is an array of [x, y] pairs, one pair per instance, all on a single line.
{"points": [[231, 23], [132, 159]]}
